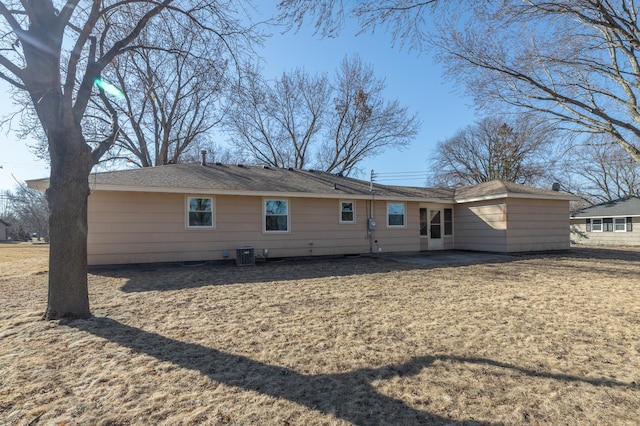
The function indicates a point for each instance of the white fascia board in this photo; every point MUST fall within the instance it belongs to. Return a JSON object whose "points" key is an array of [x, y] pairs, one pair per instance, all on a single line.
{"points": [[563, 197]]}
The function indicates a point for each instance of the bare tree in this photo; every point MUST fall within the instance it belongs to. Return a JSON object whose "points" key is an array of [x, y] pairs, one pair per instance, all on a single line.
{"points": [[56, 53], [574, 61], [362, 123], [514, 150], [405, 21], [302, 120], [171, 93], [29, 211], [276, 123], [602, 170], [5, 203]]}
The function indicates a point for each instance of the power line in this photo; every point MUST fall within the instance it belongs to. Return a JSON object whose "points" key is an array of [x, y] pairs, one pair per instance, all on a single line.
{"points": [[400, 176]]}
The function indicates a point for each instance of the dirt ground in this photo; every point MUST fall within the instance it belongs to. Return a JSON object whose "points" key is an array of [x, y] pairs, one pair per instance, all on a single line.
{"points": [[541, 339]]}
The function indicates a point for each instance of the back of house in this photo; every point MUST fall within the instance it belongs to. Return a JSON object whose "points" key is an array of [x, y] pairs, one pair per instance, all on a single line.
{"points": [[201, 212]]}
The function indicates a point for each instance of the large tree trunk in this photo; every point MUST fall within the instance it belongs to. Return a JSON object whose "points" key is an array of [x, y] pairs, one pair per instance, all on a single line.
{"points": [[67, 196]]}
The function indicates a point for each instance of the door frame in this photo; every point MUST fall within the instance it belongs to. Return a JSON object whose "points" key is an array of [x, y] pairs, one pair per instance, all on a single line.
{"points": [[427, 243]]}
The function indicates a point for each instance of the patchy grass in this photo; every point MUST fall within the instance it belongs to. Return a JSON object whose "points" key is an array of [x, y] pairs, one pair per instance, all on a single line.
{"points": [[544, 339], [20, 259]]}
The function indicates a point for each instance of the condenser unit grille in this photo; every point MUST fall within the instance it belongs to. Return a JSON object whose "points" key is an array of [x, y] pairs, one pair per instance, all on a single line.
{"points": [[245, 256]]}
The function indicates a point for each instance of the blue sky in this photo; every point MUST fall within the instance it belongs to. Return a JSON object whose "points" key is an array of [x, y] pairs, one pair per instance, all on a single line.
{"points": [[415, 81]]}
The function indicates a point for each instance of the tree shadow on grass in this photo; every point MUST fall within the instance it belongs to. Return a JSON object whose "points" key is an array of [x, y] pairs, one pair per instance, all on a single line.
{"points": [[177, 276], [348, 396]]}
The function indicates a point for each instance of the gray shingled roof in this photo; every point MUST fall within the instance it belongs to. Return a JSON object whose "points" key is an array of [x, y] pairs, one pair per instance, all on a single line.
{"points": [[499, 187], [224, 177], [622, 207], [243, 179]]}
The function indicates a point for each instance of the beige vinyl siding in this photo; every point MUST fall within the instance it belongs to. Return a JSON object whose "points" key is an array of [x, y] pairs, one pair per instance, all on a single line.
{"points": [[449, 241], [579, 235], [397, 239], [537, 225], [480, 226], [127, 227], [512, 225]]}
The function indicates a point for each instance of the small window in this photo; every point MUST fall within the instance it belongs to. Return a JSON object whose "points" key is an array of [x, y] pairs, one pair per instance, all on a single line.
{"points": [[347, 212], [596, 225], [200, 212], [607, 224], [588, 223], [629, 224], [448, 221], [395, 214], [276, 216], [620, 224]]}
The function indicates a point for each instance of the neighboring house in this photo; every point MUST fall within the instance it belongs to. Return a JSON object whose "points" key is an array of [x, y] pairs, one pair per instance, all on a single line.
{"points": [[613, 223], [4, 230], [191, 212]]}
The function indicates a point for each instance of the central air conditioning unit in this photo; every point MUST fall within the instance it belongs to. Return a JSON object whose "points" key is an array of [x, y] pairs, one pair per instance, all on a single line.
{"points": [[245, 256]]}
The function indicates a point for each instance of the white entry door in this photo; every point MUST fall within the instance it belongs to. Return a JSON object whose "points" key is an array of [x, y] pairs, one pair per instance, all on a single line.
{"points": [[435, 229]]}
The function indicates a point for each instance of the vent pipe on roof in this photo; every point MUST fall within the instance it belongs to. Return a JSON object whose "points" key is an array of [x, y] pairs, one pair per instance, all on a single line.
{"points": [[555, 186], [204, 157]]}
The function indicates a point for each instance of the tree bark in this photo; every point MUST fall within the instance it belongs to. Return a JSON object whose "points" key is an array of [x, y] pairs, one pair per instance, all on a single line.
{"points": [[67, 197]]}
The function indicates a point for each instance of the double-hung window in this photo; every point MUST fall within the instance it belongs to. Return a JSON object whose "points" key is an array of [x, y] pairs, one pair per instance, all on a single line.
{"points": [[276, 215], [200, 212], [347, 212], [395, 215], [610, 224], [607, 224]]}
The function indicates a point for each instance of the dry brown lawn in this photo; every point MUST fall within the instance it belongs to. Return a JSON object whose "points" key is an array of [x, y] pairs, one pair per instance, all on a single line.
{"points": [[542, 339]]}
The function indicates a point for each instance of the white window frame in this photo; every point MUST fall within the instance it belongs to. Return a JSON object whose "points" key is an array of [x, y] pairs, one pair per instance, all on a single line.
{"points": [[594, 226], [353, 211], [605, 222], [404, 215], [188, 199], [616, 222], [264, 216]]}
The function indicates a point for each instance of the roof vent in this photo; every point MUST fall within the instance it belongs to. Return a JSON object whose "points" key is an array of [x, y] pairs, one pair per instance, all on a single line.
{"points": [[555, 186], [240, 165], [218, 163], [335, 185], [291, 168], [266, 167]]}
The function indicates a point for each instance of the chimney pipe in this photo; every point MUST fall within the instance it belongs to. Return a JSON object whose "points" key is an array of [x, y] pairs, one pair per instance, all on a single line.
{"points": [[204, 157]]}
